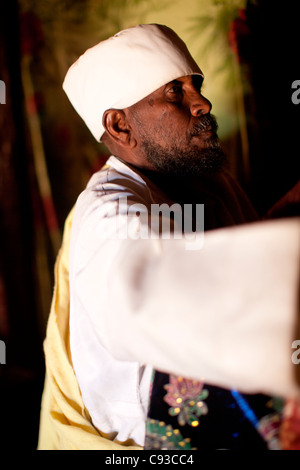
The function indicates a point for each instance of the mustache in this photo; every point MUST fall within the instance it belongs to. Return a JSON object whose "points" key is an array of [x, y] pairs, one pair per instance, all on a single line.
{"points": [[204, 123]]}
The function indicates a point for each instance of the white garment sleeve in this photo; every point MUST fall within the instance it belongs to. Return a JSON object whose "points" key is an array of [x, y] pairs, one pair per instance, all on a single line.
{"points": [[225, 313]]}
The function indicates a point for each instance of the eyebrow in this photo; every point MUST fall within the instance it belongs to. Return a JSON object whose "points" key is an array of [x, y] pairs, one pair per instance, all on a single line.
{"points": [[196, 79], [172, 82]]}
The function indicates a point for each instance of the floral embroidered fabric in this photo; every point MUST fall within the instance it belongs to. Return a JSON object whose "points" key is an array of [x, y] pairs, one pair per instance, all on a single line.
{"points": [[190, 415]]}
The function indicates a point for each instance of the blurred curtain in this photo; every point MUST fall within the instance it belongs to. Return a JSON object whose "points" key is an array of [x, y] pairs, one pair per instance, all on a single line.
{"points": [[23, 240]]}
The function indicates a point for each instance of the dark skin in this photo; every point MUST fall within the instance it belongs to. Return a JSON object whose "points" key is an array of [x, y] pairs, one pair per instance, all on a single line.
{"points": [[166, 115]]}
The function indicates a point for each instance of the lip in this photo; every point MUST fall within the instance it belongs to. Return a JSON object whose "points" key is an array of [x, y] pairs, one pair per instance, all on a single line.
{"points": [[207, 131]]}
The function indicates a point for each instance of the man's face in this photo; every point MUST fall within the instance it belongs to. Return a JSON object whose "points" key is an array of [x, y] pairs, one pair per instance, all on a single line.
{"points": [[175, 131]]}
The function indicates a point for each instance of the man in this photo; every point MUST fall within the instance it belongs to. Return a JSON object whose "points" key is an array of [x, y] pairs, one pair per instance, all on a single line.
{"points": [[156, 339]]}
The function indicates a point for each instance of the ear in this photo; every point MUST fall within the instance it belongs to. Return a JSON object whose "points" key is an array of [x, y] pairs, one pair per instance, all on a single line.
{"points": [[116, 125]]}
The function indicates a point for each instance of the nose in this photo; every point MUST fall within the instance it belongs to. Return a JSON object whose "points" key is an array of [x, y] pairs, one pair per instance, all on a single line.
{"points": [[199, 104]]}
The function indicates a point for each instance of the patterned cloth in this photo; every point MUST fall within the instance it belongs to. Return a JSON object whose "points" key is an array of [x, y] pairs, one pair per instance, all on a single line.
{"points": [[190, 415]]}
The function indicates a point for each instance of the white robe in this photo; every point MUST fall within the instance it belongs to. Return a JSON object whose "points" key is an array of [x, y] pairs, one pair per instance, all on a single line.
{"points": [[224, 312]]}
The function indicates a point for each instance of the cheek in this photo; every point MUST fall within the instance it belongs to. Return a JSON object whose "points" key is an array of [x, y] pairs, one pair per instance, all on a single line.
{"points": [[167, 125], [173, 124]]}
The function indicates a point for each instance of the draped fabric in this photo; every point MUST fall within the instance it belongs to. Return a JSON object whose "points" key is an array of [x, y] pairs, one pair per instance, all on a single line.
{"points": [[65, 423], [183, 413], [187, 414]]}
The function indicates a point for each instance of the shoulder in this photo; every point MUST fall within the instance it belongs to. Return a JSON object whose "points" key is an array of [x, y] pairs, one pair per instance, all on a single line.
{"points": [[114, 181]]}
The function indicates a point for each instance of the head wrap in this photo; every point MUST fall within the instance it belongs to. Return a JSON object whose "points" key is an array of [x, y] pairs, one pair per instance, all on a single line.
{"points": [[120, 71]]}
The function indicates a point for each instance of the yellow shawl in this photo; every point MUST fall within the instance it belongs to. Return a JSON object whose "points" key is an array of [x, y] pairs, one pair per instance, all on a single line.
{"points": [[64, 422]]}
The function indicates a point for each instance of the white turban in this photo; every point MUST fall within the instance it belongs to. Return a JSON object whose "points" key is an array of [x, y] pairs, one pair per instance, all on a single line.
{"points": [[122, 70]]}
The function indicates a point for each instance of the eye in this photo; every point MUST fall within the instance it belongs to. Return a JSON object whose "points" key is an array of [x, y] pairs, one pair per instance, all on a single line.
{"points": [[175, 89]]}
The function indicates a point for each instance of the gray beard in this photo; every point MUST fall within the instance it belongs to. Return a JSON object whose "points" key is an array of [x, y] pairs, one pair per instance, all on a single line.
{"points": [[194, 161]]}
